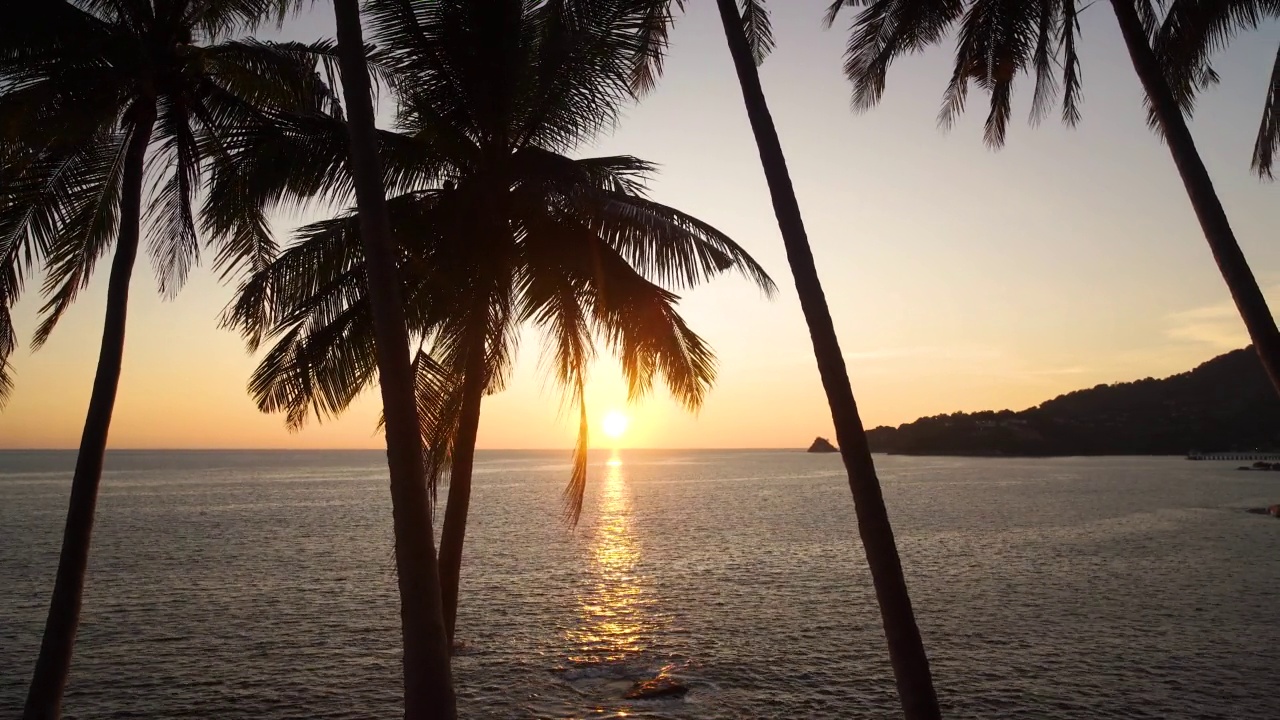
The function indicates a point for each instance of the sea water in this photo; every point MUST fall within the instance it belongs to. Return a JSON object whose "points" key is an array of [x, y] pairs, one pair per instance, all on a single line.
{"points": [[261, 585]]}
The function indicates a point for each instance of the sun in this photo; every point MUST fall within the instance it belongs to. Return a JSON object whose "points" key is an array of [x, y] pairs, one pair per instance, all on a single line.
{"points": [[614, 424]]}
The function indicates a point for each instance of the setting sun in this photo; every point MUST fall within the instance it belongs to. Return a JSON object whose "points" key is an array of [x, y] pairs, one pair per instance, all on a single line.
{"points": [[614, 424]]}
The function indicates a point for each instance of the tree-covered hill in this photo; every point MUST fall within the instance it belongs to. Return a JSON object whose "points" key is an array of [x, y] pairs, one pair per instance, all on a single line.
{"points": [[1224, 404]]}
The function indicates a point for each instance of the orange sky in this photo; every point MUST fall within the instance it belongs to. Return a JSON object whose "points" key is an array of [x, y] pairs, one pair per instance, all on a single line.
{"points": [[959, 279]]}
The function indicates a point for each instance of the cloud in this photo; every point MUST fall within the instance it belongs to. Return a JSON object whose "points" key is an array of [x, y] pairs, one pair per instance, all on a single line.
{"points": [[977, 353], [1218, 326], [959, 360], [1070, 370]]}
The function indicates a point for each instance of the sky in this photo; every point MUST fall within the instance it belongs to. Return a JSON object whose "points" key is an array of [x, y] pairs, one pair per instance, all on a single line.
{"points": [[959, 278]]}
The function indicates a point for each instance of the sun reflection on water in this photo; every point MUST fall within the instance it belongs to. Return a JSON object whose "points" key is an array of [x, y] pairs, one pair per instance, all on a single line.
{"points": [[614, 612]]}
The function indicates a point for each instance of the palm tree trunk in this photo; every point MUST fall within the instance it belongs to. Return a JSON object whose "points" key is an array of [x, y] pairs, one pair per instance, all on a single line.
{"points": [[44, 699], [455, 513], [906, 650], [428, 682], [1248, 297]]}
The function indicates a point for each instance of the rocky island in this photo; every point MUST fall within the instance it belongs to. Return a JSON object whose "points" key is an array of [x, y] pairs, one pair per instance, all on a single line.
{"points": [[822, 445]]}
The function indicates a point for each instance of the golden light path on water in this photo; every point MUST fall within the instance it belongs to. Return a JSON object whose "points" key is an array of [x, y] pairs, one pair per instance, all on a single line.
{"points": [[615, 610]]}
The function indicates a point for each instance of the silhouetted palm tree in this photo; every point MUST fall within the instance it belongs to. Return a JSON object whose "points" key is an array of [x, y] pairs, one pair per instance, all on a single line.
{"points": [[495, 227], [578, 252], [999, 40], [1192, 31], [428, 680], [94, 97], [750, 39]]}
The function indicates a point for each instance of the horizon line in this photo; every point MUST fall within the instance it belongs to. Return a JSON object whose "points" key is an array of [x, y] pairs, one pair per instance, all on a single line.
{"points": [[363, 449]]}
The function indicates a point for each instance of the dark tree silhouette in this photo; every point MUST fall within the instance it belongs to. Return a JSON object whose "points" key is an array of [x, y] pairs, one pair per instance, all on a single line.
{"points": [[428, 682], [1192, 31], [495, 228], [997, 41], [96, 97], [750, 38]]}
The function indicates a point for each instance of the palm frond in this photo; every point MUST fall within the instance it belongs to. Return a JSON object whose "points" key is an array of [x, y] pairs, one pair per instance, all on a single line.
{"points": [[640, 323], [217, 18], [132, 13], [885, 30], [607, 194], [317, 367], [576, 490], [237, 220], [410, 28], [8, 343], [652, 37], [71, 77], [583, 57], [324, 268], [554, 302], [436, 44], [1149, 16], [169, 217], [670, 247], [568, 284], [300, 161], [37, 189], [1192, 32], [555, 173], [757, 28], [503, 332], [53, 199], [60, 111], [275, 136], [1044, 62], [1268, 142], [1070, 28], [313, 299], [617, 173], [38, 38], [282, 76], [278, 11], [72, 209], [438, 395], [996, 41]]}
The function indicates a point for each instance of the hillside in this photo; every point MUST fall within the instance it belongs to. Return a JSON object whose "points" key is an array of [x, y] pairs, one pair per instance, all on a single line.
{"points": [[1224, 404]]}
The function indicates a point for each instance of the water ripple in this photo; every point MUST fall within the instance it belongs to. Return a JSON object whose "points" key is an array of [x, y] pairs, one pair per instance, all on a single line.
{"points": [[261, 585]]}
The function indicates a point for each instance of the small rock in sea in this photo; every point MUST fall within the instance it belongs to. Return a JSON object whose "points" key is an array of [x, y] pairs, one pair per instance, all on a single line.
{"points": [[822, 445], [661, 686], [1244, 467]]}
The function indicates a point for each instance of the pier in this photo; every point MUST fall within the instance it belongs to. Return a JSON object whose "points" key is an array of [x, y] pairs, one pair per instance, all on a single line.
{"points": [[1250, 455]]}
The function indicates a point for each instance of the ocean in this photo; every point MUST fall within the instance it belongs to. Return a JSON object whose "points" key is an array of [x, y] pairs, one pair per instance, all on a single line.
{"points": [[261, 585]]}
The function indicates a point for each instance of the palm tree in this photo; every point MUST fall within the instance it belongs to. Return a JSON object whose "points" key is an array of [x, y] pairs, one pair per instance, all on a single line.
{"points": [[1195, 29], [479, 157], [998, 40], [750, 39], [428, 681], [580, 254], [96, 96]]}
